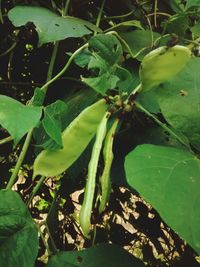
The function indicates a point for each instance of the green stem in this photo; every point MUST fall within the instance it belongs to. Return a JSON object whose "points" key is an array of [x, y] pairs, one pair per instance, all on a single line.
{"points": [[66, 8], [163, 125], [44, 240], [27, 141], [119, 16], [35, 190], [20, 160], [6, 140], [9, 49], [54, 248], [126, 45], [99, 15], [1, 16], [65, 67], [51, 64]]}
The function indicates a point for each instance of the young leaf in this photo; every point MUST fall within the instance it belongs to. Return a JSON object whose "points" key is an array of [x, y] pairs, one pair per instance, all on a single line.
{"points": [[102, 255], [179, 101], [50, 26], [169, 179], [18, 234], [106, 54], [162, 64], [17, 118]]}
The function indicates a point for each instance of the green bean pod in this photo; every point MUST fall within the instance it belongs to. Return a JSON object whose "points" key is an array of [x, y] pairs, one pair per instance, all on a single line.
{"points": [[108, 159], [75, 139], [162, 64], [86, 209]]}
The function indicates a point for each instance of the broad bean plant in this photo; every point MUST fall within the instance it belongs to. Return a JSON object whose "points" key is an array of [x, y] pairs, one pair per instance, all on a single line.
{"points": [[109, 139]]}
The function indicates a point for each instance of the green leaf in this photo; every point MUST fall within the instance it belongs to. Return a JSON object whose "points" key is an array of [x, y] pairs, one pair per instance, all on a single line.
{"points": [[138, 40], [149, 101], [179, 101], [50, 26], [195, 30], [102, 255], [52, 121], [18, 234], [169, 179], [17, 118], [127, 80], [178, 24], [38, 97], [106, 54], [192, 3]]}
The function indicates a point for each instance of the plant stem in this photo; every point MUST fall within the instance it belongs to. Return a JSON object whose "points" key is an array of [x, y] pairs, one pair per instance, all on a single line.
{"points": [[51, 238], [65, 67], [44, 240], [66, 8], [51, 64], [6, 140], [99, 15], [20, 160], [126, 45], [35, 189], [27, 141], [163, 125]]}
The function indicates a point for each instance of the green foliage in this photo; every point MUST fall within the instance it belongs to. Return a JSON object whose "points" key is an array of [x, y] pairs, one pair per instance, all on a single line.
{"points": [[192, 3], [117, 121], [18, 233], [106, 53], [17, 118], [140, 41], [102, 255], [179, 101], [52, 122], [50, 26], [169, 179]]}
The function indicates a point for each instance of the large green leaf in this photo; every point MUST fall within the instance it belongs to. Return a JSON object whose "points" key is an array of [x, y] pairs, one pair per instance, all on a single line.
{"points": [[50, 26], [17, 118], [103, 255], [18, 234], [169, 179], [179, 101]]}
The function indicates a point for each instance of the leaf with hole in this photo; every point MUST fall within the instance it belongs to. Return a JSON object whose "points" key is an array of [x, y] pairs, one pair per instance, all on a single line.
{"points": [[179, 101], [50, 26]]}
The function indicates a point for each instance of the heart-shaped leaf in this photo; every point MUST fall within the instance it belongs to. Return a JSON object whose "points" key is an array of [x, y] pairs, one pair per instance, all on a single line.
{"points": [[169, 179]]}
